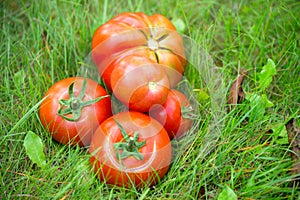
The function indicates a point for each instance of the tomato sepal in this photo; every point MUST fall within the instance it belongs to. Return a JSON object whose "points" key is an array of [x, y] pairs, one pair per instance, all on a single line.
{"points": [[74, 105], [187, 112], [130, 147]]}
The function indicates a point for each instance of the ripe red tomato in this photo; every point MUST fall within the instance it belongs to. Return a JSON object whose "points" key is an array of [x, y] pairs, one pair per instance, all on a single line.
{"points": [[174, 114], [130, 149], [155, 35], [139, 83], [73, 110]]}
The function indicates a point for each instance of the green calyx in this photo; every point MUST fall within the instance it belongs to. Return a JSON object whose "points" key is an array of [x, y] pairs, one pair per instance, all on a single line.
{"points": [[187, 112], [74, 105], [130, 147]]}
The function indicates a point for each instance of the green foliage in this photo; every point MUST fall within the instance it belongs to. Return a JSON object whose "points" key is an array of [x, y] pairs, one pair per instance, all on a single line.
{"points": [[266, 75], [202, 95], [267, 103], [280, 134], [257, 104], [180, 25], [259, 100], [227, 194], [35, 149]]}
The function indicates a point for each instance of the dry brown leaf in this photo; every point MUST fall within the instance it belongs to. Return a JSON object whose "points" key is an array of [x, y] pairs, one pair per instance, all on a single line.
{"points": [[294, 140], [44, 36], [236, 93]]}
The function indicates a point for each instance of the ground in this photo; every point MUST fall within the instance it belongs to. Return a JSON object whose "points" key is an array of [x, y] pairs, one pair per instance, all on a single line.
{"points": [[241, 151]]}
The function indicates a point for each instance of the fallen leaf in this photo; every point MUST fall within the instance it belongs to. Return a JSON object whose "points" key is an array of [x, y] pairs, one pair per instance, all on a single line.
{"points": [[44, 36], [202, 193], [294, 139], [236, 93]]}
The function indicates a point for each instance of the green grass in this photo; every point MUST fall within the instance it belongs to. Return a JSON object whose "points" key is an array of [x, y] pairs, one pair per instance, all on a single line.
{"points": [[45, 41]]}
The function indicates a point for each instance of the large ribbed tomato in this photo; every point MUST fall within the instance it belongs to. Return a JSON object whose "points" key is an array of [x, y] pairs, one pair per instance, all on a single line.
{"points": [[130, 149], [155, 36], [73, 109]]}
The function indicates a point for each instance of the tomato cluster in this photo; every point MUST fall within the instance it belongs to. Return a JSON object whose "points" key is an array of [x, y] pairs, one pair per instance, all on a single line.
{"points": [[141, 60]]}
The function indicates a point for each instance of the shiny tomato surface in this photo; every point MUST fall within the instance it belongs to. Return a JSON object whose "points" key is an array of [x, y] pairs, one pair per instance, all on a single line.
{"points": [[63, 127], [154, 35], [139, 83], [174, 114], [129, 167]]}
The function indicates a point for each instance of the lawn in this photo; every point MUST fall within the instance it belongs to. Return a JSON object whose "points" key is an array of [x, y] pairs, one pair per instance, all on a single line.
{"points": [[239, 150]]}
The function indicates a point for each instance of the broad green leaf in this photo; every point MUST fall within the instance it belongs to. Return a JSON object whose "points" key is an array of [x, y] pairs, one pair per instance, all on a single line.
{"points": [[266, 75], [35, 149], [227, 194], [179, 24], [202, 95], [266, 101], [257, 104], [280, 134]]}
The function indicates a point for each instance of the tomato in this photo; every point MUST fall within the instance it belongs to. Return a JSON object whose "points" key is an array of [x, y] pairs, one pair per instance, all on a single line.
{"points": [[73, 109], [174, 114], [155, 35], [139, 83], [130, 149]]}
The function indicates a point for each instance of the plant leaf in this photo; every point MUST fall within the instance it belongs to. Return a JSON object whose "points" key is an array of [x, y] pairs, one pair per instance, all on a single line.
{"points": [[202, 95], [266, 75], [266, 101], [257, 105], [280, 134], [227, 194], [179, 24], [35, 148]]}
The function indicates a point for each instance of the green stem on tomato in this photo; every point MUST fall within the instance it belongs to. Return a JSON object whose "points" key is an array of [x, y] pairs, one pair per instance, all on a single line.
{"points": [[187, 112], [74, 105], [130, 147]]}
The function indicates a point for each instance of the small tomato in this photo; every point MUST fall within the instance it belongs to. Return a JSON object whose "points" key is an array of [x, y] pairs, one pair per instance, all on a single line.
{"points": [[174, 114]]}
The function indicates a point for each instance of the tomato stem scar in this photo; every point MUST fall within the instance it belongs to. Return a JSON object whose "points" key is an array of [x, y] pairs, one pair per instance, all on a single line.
{"points": [[153, 44], [74, 105], [152, 85], [187, 112], [130, 147]]}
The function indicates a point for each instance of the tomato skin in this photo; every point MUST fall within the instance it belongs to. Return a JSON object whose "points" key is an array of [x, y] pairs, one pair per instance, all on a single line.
{"points": [[80, 131], [129, 21], [168, 62], [139, 83], [157, 151], [170, 114], [132, 31]]}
